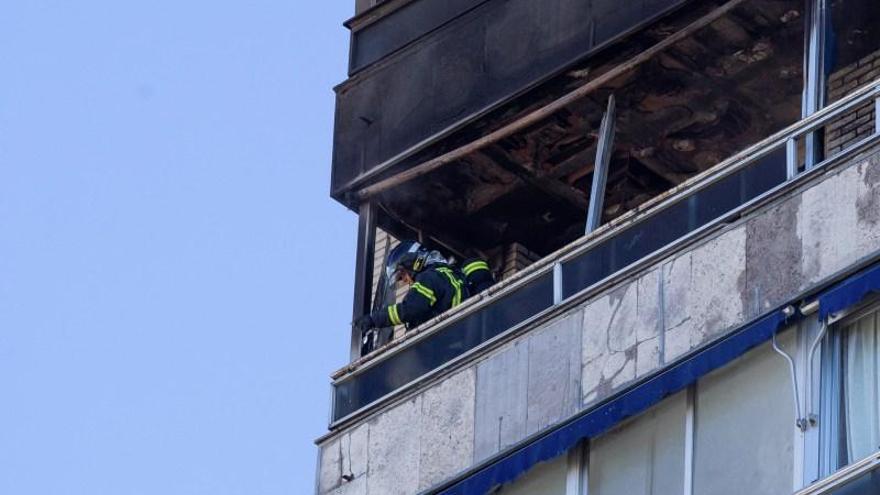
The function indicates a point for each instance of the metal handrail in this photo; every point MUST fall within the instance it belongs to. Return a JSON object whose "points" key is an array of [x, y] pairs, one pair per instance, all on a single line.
{"points": [[844, 476], [648, 209]]}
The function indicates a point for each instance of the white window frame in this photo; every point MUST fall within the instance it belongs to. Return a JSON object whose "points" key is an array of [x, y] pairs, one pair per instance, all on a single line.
{"points": [[830, 392], [577, 480]]}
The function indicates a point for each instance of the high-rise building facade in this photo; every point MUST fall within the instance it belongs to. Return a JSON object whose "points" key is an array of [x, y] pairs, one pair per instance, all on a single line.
{"points": [[680, 200]]}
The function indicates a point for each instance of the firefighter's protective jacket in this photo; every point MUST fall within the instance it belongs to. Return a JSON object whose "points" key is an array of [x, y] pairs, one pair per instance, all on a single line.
{"points": [[477, 275], [436, 289]]}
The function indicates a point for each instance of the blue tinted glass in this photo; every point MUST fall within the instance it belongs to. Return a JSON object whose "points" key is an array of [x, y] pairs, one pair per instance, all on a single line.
{"points": [[673, 222], [867, 484], [443, 346]]}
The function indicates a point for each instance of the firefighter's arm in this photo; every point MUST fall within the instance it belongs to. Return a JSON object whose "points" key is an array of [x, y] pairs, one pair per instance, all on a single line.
{"points": [[478, 274], [416, 306]]}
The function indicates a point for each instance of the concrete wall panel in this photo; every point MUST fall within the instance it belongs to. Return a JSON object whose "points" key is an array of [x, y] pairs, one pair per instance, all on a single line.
{"points": [[704, 292], [773, 257], [649, 324], [609, 343], [827, 224], [354, 452], [344, 458], [357, 486], [838, 221], [868, 205], [554, 373], [394, 450], [502, 388], [447, 428], [329, 466]]}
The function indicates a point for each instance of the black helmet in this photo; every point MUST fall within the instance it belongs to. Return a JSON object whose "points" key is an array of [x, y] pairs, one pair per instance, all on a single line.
{"points": [[408, 255]]}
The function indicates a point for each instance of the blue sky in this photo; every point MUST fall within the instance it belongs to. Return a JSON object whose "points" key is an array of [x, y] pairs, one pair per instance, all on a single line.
{"points": [[175, 282]]}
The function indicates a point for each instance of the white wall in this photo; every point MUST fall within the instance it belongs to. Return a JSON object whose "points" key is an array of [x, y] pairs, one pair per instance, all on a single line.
{"points": [[745, 426], [644, 456], [547, 478]]}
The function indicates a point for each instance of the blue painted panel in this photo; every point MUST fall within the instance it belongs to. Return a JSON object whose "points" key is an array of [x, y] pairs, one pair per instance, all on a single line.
{"points": [[849, 292]]}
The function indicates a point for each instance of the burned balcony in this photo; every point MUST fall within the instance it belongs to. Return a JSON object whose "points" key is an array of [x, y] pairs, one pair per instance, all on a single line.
{"points": [[683, 149], [690, 91], [582, 269]]}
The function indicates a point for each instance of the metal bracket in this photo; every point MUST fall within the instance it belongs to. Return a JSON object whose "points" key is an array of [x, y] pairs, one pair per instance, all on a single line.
{"points": [[791, 161], [557, 283], [812, 417], [877, 116], [799, 419]]}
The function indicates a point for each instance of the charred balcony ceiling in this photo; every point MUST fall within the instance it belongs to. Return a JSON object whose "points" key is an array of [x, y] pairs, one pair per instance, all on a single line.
{"points": [[435, 65], [722, 87]]}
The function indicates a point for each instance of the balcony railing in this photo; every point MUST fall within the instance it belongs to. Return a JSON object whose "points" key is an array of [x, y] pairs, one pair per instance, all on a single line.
{"points": [[592, 263], [861, 478]]}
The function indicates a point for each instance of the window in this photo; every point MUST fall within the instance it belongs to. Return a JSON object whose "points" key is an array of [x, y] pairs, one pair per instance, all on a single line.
{"points": [[851, 390]]}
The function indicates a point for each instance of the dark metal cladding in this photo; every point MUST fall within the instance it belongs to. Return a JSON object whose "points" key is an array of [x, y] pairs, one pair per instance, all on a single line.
{"points": [[478, 60], [376, 41]]}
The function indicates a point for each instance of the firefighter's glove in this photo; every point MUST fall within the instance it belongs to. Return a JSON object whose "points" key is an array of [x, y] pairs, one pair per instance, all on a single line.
{"points": [[363, 323]]}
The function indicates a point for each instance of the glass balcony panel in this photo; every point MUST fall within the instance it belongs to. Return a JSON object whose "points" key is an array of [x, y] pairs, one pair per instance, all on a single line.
{"points": [[675, 221], [443, 346]]}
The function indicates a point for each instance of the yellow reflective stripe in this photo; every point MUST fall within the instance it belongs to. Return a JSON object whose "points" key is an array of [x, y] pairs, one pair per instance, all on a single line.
{"points": [[456, 285], [428, 293], [476, 265], [445, 271], [393, 315]]}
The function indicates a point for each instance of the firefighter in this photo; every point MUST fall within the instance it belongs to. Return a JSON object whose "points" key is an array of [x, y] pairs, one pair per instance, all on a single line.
{"points": [[477, 275], [434, 287]]}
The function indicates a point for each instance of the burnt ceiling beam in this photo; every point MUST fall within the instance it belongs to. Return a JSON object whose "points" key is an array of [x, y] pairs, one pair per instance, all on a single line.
{"points": [[539, 180], [581, 161], [659, 169], [487, 195], [548, 110]]}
